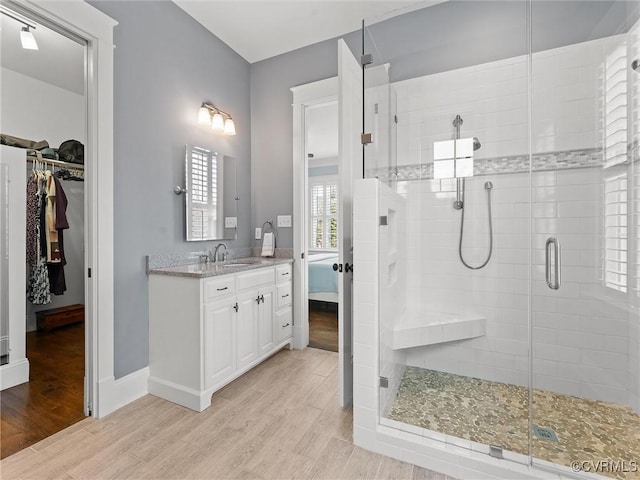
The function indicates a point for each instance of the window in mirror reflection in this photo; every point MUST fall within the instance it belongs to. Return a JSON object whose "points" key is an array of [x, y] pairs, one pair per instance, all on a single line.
{"points": [[203, 173]]}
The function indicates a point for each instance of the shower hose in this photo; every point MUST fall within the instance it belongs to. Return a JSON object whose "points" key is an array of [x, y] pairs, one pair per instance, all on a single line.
{"points": [[487, 186]]}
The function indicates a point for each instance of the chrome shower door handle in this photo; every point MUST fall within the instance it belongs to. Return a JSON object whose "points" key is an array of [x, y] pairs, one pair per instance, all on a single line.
{"points": [[553, 242]]}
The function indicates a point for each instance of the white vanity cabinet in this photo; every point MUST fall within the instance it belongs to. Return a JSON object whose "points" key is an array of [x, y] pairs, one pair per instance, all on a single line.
{"points": [[283, 316], [205, 332]]}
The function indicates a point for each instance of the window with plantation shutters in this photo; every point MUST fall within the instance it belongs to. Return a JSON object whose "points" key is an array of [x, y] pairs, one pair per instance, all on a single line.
{"points": [[202, 193], [324, 214], [616, 177], [615, 228]]}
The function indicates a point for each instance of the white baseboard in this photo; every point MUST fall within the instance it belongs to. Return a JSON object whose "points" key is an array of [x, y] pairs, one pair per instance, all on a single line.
{"points": [[14, 373], [114, 394], [180, 394]]}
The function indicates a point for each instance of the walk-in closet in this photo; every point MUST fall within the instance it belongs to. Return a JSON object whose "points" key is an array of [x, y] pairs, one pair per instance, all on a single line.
{"points": [[43, 126]]}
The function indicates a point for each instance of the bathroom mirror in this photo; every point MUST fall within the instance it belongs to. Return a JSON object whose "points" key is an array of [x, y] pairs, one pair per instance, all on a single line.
{"points": [[211, 195]]}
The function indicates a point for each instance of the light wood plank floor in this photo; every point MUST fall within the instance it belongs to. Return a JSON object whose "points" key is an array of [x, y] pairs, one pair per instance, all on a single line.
{"points": [[280, 420]]}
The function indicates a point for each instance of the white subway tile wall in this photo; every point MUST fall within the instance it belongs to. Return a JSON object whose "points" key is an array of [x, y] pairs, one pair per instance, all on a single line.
{"points": [[580, 331]]}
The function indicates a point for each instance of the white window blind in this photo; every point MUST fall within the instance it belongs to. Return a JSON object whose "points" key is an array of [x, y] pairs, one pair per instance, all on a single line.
{"points": [[203, 193], [615, 106], [324, 215], [615, 218]]}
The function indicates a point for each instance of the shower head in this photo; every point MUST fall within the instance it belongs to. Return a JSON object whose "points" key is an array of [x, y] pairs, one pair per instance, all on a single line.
{"points": [[476, 144]]}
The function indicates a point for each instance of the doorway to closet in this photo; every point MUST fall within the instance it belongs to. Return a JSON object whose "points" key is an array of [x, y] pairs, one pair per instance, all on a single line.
{"points": [[44, 127], [321, 145]]}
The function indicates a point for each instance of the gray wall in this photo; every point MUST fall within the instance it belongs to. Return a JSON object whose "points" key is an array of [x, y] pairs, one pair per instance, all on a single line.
{"points": [[166, 64], [272, 125], [446, 36]]}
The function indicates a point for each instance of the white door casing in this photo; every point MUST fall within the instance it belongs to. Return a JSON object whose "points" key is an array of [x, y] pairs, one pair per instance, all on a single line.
{"points": [[310, 94], [349, 168], [102, 391]]}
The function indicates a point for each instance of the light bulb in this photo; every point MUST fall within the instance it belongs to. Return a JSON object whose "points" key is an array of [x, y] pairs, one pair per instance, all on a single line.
{"points": [[27, 39], [217, 122], [229, 127], [203, 116]]}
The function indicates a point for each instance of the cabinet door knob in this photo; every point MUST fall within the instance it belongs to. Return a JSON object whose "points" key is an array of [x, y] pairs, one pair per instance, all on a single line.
{"points": [[258, 299], [285, 295], [235, 307], [283, 326]]}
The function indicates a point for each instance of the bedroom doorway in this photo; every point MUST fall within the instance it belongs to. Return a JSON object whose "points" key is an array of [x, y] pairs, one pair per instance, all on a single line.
{"points": [[321, 146]]}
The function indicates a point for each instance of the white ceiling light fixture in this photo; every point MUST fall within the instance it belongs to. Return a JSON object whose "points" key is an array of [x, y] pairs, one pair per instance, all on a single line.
{"points": [[219, 120], [27, 39]]}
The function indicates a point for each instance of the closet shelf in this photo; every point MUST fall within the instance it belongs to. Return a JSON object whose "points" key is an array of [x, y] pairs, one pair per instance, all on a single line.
{"points": [[59, 163]]}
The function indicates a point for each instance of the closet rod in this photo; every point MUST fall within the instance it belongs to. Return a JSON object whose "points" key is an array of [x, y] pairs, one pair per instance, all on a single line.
{"points": [[60, 163]]}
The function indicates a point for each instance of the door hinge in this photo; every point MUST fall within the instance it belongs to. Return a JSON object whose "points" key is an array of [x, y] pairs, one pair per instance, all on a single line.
{"points": [[366, 59], [366, 138], [395, 118], [89, 272], [302, 255], [384, 382], [375, 109]]}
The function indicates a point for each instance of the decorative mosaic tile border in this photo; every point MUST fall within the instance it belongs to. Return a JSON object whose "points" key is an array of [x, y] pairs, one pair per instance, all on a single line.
{"points": [[590, 157]]}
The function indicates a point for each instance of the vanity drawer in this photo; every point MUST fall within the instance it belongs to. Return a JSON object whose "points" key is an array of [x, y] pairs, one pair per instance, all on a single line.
{"points": [[218, 287], [283, 272], [255, 278], [283, 324], [283, 292]]}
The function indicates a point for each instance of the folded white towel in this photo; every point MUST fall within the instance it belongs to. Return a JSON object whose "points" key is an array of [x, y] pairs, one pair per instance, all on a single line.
{"points": [[267, 245]]}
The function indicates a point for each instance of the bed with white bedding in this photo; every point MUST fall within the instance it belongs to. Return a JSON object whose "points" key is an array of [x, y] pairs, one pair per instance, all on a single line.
{"points": [[323, 280]]}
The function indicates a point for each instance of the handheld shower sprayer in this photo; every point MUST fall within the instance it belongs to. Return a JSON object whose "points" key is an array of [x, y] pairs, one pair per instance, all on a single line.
{"points": [[458, 204]]}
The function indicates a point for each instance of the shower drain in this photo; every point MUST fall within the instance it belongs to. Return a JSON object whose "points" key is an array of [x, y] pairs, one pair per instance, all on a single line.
{"points": [[545, 433]]}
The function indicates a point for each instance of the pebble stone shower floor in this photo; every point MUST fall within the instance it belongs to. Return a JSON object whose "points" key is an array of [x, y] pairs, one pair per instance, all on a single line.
{"points": [[497, 413]]}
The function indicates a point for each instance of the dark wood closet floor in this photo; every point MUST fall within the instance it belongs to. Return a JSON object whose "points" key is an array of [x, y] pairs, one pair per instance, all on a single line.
{"points": [[323, 325], [53, 399]]}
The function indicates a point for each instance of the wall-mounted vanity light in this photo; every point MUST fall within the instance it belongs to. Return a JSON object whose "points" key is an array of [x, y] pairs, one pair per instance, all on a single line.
{"points": [[27, 39], [219, 120]]}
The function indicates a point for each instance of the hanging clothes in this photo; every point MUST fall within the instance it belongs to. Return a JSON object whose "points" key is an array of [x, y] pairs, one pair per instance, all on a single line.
{"points": [[57, 282], [33, 222], [46, 221], [53, 246]]}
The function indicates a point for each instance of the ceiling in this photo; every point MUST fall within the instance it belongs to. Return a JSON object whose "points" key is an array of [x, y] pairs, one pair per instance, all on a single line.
{"points": [[262, 29], [59, 60]]}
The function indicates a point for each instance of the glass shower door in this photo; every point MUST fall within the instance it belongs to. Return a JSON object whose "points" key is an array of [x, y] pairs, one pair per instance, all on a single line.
{"points": [[454, 227], [585, 324]]}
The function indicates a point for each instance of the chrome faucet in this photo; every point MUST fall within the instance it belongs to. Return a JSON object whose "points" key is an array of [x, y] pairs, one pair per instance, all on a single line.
{"points": [[215, 252]]}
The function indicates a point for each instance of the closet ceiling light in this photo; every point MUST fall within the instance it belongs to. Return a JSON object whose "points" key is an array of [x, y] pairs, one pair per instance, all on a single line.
{"points": [[219, 120], [27, 39]]}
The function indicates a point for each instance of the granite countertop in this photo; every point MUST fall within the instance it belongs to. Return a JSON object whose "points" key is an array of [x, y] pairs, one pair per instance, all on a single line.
{"points": [[204, 270]]}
